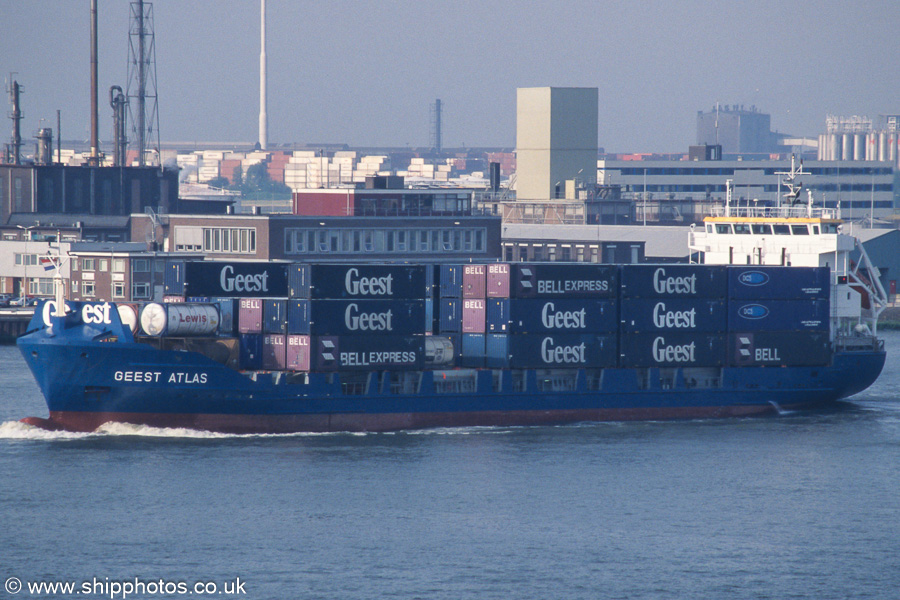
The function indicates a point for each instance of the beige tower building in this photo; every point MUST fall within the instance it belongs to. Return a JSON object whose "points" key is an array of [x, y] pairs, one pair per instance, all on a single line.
{"points": [[556, 140]]}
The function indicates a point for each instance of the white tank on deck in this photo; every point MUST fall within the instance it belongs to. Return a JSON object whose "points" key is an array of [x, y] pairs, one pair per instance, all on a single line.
{"points": [[128, 314], [179, 320]]}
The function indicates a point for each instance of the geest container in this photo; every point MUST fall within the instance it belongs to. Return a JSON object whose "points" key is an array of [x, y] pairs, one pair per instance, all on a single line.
{"points": [[273, 350], [778, 315], [534, 315], [179, 320], [298, 316], [298, 280], [235, 279], [779, 348], [367, 317], [450, 315], [672, 314], [274, 315], [250, 315], [756, 282], [497, 281], [674, 281], [473, 314], [562, 350], [397, 282], [450, 283], [297, 353], [474, 281], [570, 280], [672, 349], [250, 355], [364, 353]]}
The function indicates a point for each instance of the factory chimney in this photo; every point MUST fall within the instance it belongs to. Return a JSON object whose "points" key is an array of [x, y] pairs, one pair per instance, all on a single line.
{"points": [[95, 133], [263, 118]]}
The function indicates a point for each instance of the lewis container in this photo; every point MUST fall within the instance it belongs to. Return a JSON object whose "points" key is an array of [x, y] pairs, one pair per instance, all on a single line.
{"points": [[179, 320]]}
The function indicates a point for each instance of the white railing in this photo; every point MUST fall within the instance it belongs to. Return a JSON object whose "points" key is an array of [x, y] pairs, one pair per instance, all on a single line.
{"points": [[779, 212]]}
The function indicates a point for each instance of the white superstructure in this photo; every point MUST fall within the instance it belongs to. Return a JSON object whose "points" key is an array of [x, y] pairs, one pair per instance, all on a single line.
{"points": [[799, 235]]}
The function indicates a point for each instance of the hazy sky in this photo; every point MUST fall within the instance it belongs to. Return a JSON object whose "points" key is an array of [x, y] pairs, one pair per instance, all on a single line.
{"points": [[365, 73]]}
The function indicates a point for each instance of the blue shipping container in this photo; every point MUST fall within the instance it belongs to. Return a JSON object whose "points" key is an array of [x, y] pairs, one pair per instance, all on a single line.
{"points": [[429, 315], [450, 315], [755, 282], [364, 281], [674, 281], [473, 350], [450, 281], [228, 313], [497, 351], [367, 317], [364, 353], [672, 314], [274, 315], [568, 350], [672, 349], [298, 280], [251, 355], [534, 315], [778, 315], [298, 316], [570, 280], [779, 348], [174, 278]]}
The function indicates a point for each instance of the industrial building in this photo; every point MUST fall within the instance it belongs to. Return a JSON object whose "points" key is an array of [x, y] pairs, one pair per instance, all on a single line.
{"points": [[556, 140], [858, 139], [679, 191], [737, 130]]}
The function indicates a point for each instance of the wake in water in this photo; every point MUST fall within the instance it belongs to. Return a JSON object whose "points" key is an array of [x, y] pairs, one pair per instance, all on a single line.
{"points": [[16, 430], [781, 411]]}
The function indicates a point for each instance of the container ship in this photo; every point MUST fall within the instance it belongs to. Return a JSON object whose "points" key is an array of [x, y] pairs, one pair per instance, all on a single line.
{"points": [[785, 321]]}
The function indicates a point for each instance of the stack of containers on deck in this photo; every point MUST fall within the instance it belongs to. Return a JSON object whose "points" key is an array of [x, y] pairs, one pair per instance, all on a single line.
{"points": [[448, 297], [550, 315], [365, 317], [778, 316], [250, 298], [672, 316]]}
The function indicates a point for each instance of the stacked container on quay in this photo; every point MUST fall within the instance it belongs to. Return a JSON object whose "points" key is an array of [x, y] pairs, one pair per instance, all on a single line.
{"points": [[265, 347]]}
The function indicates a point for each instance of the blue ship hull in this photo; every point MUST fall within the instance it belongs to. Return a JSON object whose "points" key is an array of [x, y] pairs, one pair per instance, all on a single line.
{"points": [[90, 377]]}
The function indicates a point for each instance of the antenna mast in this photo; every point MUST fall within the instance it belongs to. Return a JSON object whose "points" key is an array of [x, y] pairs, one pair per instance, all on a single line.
{"points": [[144, 111]]}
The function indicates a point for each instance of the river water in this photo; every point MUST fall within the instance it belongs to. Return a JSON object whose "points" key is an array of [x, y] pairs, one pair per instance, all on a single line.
{"points": [[802, 505]]}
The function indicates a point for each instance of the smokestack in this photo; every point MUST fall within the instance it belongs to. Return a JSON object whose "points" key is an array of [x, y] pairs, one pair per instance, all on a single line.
{"points": [[263, 118], [95, 133]]}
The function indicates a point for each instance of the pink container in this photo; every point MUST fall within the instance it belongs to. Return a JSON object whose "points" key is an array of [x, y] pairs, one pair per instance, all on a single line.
{"points": [[497, 281], [473, 315], [297, 353], [473, 281], [250, 315], [273, 352]]}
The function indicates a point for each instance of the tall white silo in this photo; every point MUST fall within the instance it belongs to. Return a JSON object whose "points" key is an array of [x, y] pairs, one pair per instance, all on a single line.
{"points": [[834, 141], [847, 146], [859, 146]]}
